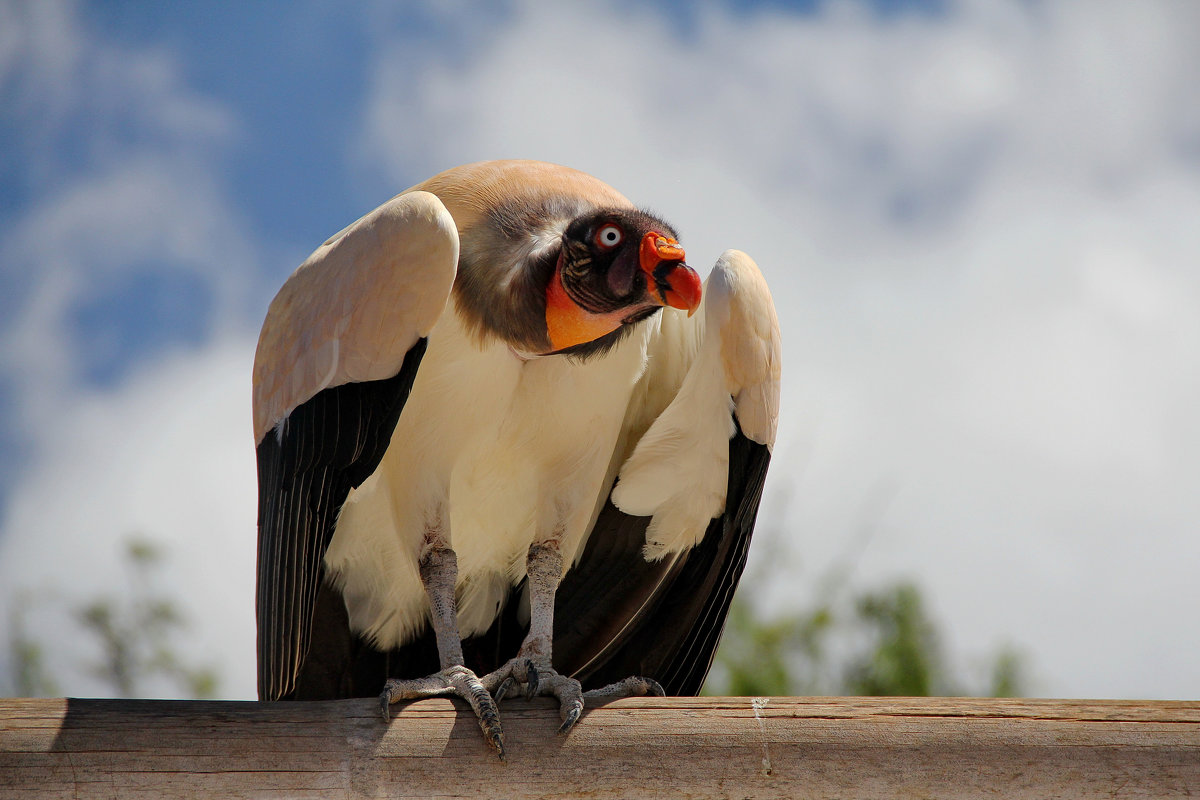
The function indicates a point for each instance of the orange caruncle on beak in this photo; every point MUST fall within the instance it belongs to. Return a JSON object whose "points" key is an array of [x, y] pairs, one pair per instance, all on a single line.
{"points": [[661, 258]]}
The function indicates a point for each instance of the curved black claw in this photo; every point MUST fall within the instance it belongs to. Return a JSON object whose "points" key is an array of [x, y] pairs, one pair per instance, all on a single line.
{"points": [[457, 680], [530, 680], [385, 705], [571, 716]]}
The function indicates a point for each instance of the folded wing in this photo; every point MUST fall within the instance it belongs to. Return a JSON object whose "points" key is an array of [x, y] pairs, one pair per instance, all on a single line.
{"points": [[336, 359], [652, 589]]}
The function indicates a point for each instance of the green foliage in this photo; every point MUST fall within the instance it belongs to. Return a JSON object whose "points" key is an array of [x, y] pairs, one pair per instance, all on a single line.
{"points": [[1008, 672], [770, 658], [881, 643], [28, 659], [135, 631], [904, 659], [135, 635]]}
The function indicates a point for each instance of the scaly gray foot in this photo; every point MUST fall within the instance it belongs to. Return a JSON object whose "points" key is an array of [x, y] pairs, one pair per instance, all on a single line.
{"points": [[458, 681], [543, 680], [633, 686], [533, 680]]}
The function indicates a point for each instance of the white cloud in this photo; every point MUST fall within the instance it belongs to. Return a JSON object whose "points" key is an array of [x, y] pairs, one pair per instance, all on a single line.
{"points": [[145, 212], [168, 457], [979, 228]]}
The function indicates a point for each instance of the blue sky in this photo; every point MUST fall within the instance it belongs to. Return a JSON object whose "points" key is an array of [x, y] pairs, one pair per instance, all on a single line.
{"points": [[977, 218]]}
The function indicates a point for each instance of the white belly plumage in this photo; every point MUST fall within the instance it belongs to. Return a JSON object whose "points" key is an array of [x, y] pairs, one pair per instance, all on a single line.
{"points": [[495, 470]]}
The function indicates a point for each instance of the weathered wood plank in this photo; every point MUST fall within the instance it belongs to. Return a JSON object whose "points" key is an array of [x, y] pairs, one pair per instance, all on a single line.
{"points": [[654, 747]]}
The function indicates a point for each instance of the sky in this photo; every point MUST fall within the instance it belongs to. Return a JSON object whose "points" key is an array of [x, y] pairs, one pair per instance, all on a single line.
{"points": [[977, 219]]}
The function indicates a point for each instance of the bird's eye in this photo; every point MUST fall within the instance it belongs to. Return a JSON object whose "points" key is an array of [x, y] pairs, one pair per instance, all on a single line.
{"points": [[609, 236]]}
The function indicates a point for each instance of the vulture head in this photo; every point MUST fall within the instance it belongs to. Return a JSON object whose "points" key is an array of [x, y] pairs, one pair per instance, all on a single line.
{"points": [[615, 267]]}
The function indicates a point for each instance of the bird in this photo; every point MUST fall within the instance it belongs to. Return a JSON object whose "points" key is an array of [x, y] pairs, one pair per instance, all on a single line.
{"points": [[507, 443]]}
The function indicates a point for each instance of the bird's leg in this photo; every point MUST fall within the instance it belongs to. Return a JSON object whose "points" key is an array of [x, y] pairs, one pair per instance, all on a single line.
{"points": [[533, 666], [439, 573]]}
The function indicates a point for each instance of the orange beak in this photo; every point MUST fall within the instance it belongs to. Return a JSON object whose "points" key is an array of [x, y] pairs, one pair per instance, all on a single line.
{"points": [[675, 283]]}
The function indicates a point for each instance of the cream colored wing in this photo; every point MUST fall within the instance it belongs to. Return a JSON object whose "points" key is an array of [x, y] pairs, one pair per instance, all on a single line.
{"points": [[337, 357], [353, 310], [679, 469]]}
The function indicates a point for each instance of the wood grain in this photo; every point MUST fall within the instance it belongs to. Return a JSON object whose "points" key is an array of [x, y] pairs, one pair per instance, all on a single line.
{"points": [[674, 747]]}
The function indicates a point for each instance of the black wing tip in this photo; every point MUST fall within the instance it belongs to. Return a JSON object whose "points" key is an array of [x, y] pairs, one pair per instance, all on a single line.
{"points": [[332, 443]]}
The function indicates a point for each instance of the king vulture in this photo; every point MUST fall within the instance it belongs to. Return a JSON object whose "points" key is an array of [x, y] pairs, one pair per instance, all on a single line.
{"points": [[507, 444]]}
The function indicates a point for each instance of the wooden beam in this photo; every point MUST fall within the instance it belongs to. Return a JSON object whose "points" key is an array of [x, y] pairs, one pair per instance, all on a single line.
{"points": [[675, 747]]}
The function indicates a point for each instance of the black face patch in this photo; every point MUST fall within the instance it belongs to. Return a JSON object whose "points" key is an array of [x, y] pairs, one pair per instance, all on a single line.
{"points": [[601, 277]]}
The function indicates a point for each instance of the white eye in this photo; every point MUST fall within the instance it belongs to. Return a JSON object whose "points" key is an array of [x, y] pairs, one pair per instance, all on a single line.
{"points": [[609, 236]]}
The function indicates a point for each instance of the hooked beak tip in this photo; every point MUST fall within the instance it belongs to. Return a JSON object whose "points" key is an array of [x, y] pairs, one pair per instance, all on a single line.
{"points": [[662, 261], [686, 289]]}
